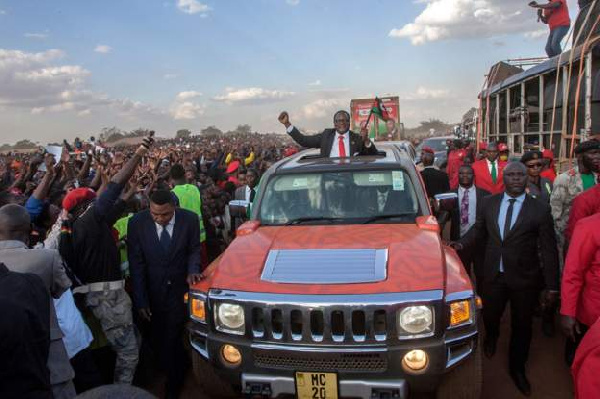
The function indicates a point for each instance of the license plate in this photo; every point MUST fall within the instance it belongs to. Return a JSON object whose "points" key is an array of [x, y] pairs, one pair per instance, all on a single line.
{"points": [[316, 385]]}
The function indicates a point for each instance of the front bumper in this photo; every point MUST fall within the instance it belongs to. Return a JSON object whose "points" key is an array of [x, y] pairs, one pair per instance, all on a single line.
{"points": [[367, 370]]}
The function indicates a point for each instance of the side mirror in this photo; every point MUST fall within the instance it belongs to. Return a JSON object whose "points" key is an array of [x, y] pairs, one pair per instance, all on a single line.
{"points": [[239, 209], [446, 202]]}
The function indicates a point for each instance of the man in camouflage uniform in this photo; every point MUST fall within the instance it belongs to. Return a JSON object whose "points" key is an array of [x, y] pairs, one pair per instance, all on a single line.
{"points": [[571, 183], [89, 248]]}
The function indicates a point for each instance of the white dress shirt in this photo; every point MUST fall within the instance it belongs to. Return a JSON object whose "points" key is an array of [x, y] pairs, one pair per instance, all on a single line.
{"points": [[489, 164], [247, 197], [169, 227], [335, 147], [470, 191]]}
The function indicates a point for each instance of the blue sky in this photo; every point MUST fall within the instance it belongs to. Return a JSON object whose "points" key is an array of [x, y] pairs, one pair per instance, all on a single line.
{"points": [[70, 68]]}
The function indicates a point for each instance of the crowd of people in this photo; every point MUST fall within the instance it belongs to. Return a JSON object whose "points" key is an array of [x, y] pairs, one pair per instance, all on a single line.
{"points": [[79, 222], [100, 226]]}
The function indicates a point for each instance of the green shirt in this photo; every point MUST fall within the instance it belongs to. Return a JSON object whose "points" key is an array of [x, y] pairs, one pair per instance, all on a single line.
{"points": [[190, 199], [588, 180], [121, 227]]}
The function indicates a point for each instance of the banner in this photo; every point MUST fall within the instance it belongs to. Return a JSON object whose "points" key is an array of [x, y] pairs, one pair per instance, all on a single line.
{"points": [[378, 129]]}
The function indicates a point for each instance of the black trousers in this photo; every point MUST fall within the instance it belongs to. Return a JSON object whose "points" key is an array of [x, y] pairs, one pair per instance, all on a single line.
{"points": [[476, 257], [167, 327], [522, 304]]}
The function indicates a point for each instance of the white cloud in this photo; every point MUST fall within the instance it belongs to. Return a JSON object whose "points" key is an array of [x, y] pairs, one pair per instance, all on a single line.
{"points": [[184, 108], [187, 110], [33, 82], [293, 2], [2, 12], [103, 49], [253, 94], [187, 95], [322, 108], [193, 7], [36, 35], [169, 76], [451, 19], [424, 93], [84, 112], [315, 83], [536, 34]]}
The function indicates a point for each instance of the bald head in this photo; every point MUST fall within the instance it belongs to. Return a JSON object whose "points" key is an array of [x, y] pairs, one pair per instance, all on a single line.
{"points": [[14, 223]]}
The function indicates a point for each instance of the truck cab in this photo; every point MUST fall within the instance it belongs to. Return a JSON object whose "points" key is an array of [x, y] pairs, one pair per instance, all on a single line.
{"points": [[338, 286]]}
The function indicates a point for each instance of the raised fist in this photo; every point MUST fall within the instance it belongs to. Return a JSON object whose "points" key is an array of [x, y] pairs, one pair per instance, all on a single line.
{"points": [[284, 118]]}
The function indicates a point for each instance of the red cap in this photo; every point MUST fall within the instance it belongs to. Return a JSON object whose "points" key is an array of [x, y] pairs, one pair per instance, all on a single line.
{"points": [[428, 149], [483, 145], [76, 197], [502, 147], [233, 166], [547, 154]]}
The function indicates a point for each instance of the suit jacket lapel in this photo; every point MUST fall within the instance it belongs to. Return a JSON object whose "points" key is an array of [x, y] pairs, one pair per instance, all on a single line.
{"points": [[177, 231], [496, 214], [353, 143], [329, 137]]}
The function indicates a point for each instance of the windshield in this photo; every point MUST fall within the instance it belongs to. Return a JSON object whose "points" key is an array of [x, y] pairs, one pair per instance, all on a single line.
{"points": [[339, 197], [435, 144]]}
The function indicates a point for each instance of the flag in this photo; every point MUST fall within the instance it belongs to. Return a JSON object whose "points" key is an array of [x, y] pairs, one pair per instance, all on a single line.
{"points": [[379, 110]]}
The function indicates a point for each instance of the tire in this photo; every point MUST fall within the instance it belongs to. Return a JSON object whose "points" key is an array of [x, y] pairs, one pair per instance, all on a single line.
{"points": [[211, 383], [465, 381]]}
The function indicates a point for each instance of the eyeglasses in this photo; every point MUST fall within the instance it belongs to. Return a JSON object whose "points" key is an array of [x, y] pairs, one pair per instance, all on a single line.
{"points": [[534, 165]]}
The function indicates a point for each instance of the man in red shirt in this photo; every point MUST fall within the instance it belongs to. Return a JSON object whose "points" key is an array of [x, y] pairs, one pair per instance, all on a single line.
{"points": [[455, 160], [488, 171], [586, 366], [556, 14], [584, 205], [580, 289], [548, 172]]}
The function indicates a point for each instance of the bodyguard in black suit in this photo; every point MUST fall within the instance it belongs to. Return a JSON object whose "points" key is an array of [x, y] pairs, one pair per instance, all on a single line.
{"points": [[470, 200], [164, 257], [436, 181], [337, 142], [513, 225]]}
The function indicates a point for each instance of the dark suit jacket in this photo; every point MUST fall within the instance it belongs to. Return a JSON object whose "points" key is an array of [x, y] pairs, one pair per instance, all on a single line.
{"points": [[324, 141], [519, 250], [159, 278], [455, 217], [436, 181]]}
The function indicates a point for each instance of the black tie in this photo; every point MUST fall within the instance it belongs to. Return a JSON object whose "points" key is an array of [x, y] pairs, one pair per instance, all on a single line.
{"points": [[508, 220], [252, 194], [165, 239]]}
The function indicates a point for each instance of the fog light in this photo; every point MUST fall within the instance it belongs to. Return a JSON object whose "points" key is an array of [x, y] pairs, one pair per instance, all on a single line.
{"points": [[231, 355], [415, 361]]}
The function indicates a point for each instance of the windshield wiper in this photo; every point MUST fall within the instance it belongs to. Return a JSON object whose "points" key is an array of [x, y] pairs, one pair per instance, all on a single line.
{"points": [[312, 219], [386, 217]]}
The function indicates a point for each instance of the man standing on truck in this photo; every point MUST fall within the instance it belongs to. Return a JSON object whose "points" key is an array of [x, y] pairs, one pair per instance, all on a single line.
{"points": [[555, 13], [339, 142]]}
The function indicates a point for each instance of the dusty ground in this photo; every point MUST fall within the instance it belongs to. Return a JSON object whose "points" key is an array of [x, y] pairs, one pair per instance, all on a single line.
{"points": [[547, 372]]}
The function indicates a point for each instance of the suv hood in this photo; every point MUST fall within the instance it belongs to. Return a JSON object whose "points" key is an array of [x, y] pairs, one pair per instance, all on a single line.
{"points": [[415, 260]]}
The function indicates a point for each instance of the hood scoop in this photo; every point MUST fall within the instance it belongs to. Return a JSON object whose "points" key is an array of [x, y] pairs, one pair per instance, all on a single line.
{"points": [[325, 266]]}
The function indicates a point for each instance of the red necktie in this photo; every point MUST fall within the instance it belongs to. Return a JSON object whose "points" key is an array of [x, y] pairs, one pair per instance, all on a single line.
{"points": [[342, 147]]}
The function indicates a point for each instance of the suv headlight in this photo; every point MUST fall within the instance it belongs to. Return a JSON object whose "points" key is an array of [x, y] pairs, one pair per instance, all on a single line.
{"points": [[414, 320], [230, 318]]}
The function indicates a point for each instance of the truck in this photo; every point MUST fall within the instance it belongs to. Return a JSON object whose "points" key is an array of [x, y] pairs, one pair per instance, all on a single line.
{"points": [[338, 286]]}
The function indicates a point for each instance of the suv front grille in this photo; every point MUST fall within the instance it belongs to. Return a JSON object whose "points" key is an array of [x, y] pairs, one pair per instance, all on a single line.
{"points": [[350, 362], [338, 325]]}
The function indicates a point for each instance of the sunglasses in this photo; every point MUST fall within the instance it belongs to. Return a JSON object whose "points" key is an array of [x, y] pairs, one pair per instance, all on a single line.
{"points": [[534, 165]]}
